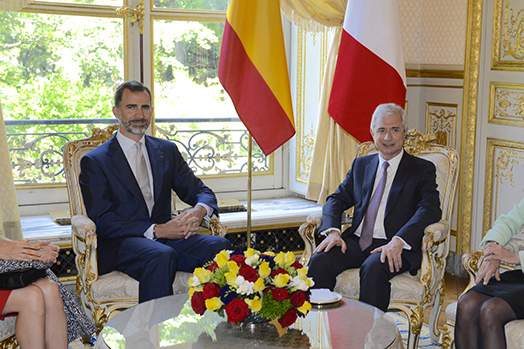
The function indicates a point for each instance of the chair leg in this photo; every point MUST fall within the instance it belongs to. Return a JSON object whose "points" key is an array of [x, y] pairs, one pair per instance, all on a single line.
{"points": [[448, 340], [415, 325], [434, 331]]}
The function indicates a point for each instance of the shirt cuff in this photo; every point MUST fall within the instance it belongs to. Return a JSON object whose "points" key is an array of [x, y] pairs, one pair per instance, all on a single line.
{"points": [[325, 232], [149, 232], [209, 210], [406, 245]]}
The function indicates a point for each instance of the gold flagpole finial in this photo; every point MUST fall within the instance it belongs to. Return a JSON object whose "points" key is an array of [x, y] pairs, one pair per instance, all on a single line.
{"points": [[134, 15]]}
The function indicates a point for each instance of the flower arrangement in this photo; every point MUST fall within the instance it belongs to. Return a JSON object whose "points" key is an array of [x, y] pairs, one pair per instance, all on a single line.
{"points": [[251, 284]]}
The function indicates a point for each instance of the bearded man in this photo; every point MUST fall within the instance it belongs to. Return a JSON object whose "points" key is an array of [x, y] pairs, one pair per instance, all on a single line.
{"points": [[127, 185]]}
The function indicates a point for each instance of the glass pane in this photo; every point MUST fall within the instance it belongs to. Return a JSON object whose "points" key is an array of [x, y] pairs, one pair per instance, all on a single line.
{"points": [[57, 78], [191, 107], [215, 5]]}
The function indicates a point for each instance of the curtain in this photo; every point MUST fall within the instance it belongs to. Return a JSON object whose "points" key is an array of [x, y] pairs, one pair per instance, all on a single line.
{"points": [[334, 150], [9, 216]]}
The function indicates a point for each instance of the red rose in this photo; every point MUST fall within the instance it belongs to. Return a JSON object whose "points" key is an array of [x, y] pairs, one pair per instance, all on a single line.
{"points": [[279, 294], [237, 310], [239, 259], [288, 318], [211, 290], [197, 303], [278, 271], [297, 298], [213, 266], [250, 274], [297, 265]]}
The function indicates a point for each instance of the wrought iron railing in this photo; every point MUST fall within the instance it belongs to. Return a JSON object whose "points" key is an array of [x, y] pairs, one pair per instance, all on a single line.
{"points": [[210, 146]]}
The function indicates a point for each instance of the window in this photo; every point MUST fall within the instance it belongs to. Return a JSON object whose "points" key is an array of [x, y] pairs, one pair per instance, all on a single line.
{"points": [[60, 63]]}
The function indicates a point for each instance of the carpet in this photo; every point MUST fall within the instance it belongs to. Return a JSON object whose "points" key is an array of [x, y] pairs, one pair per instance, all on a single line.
{"points": [[402, 325]]}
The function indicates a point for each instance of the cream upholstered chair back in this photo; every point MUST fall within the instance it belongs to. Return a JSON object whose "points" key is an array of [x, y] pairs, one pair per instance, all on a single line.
{"points": [[73, 153]]}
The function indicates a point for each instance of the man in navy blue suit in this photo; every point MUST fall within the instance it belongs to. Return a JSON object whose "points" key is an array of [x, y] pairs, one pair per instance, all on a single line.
{"points": [[126, 186], [388, 241]]}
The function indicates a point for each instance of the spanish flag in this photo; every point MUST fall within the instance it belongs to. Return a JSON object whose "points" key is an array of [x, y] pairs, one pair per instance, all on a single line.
{"points": [[253, 71]]}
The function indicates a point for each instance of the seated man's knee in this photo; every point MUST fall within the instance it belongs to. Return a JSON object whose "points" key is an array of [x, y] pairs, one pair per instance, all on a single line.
{"points": [[373, 265]]}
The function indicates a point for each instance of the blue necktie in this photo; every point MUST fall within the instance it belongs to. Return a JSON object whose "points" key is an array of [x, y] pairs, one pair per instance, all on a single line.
{"points": [[366, 236]]}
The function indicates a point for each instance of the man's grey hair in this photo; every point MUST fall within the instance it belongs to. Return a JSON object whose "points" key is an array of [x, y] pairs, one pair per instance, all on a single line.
{"points": [[388, 109]]}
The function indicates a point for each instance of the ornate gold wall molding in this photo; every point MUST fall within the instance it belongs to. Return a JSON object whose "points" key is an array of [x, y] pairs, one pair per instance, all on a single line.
{"points": [[507, 52], [441, 119], [469, 125], [504, 175], [506, 104]]}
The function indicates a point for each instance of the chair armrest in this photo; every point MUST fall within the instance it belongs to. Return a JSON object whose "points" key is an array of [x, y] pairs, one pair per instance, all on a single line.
{"points": [[471, 262], [435, 233], [84, 241], [80, 225], [216, 227], [307, 232]]}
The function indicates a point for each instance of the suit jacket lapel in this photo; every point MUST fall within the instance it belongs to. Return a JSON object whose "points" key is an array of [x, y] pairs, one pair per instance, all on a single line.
{"points": [[119, 164], [402, 175], [156, 158]]}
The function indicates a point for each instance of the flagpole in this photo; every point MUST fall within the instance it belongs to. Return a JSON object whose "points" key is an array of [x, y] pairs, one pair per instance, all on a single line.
{"points": [[249, 187]]}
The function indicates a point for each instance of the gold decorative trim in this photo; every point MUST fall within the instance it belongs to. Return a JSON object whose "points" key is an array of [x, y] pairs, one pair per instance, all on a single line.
{"points": [[498, 170], [301, 48], [506, 104], [469, 125], [508, 26], [441, 121], [439, 74], [134, 15], [435, 86]]}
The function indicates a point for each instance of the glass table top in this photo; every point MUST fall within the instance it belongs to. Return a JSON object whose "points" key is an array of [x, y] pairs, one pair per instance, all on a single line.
{"points": [[170, 322]]}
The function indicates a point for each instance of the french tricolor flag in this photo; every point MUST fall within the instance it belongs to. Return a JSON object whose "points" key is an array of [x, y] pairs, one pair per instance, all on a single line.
{"points": [[370, 65]]}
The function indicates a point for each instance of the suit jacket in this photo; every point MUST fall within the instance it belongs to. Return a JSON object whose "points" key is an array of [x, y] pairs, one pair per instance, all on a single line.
{"points": [[413, 202], [115, 203]]}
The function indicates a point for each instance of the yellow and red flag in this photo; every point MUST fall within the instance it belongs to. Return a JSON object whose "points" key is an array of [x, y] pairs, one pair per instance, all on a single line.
{"points": [[253, 71]]}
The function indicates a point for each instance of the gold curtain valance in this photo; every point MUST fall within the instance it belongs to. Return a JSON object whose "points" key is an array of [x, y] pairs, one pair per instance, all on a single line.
{"points": [[314, 15], [13, 5]]}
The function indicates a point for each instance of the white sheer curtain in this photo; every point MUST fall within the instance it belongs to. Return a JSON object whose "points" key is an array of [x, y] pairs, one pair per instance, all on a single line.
{"points": [[9, 216], [334, 150]]}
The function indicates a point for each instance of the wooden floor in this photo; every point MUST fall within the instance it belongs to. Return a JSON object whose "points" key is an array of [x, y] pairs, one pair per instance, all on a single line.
{"points": [[454, 287]]}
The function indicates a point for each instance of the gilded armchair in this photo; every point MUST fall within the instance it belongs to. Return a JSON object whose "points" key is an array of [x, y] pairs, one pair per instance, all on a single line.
{"points": [[410, 294], [102, 295], [471, 262]]}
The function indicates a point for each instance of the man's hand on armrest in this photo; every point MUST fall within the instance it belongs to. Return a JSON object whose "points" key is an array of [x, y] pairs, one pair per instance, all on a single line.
{"points": [[333, 238]]}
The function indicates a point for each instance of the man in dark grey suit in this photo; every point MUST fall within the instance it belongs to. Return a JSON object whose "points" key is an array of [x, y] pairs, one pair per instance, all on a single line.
{"points": [[395, 197], [126, 186]]}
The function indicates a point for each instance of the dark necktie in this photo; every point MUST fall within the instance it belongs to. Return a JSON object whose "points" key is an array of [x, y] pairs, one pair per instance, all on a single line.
{"points": [[366, 236], [142, 177]]}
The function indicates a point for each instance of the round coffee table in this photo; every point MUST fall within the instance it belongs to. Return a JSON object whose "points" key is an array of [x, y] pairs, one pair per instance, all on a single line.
{"points": [[170, 322]]}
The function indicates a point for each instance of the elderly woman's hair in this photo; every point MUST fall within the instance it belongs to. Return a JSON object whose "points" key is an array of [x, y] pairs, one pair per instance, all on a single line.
{"points": [[388, 109]]}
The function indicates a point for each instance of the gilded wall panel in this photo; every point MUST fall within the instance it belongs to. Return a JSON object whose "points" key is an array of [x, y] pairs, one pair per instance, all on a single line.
{"points": [[508, 41], [307, 75], [441, 119], [506, 104], [504, 185]]}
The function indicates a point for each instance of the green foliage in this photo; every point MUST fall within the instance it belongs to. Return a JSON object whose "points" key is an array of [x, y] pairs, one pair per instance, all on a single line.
{"points": [[273, 309]]}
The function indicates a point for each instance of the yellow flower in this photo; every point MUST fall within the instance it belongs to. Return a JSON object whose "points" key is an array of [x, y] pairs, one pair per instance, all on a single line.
{"points": [[222, 258], [281, 280], [213, 303], [279, 258], [254, 304], [302, 273], [249, 253], [230, 278], [269, 253], [305, 308], [309, 282], [289, 258], [259, 285], [264, 270], [202, 274], [191, 291], [233, 267]]}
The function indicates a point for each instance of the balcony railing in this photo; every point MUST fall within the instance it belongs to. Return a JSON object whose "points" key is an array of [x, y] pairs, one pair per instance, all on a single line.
{"points": [[210, 146]]}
